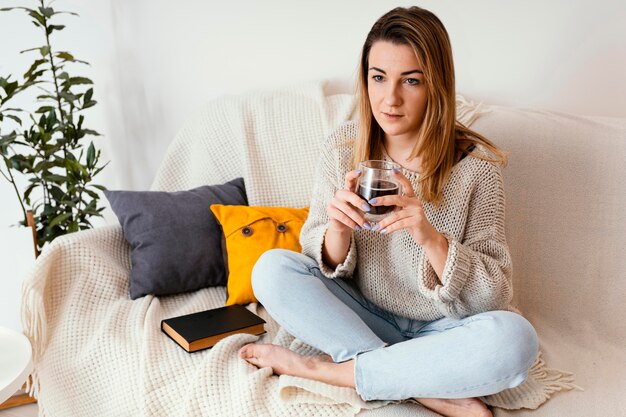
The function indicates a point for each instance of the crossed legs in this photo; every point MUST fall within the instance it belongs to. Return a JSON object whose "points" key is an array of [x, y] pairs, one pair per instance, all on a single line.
{"points": [[366, 350]]}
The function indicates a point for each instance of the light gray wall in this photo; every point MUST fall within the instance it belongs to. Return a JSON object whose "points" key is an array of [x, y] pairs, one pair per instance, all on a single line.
{"points": [[155, 61]]}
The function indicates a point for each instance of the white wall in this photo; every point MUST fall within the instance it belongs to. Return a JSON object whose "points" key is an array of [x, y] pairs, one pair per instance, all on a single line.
{"points": [[155, 61]]}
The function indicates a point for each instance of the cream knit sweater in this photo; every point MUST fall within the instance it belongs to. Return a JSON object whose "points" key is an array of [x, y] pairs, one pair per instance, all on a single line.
{"points": [[393, 271]]}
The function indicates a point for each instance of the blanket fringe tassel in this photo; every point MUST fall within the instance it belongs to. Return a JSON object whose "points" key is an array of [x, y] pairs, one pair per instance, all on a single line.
{"points": [[467, 111], [33, 323], [555, 380]]}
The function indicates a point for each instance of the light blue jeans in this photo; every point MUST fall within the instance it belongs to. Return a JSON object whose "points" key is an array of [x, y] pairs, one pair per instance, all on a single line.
{"points": [[395, 357]]}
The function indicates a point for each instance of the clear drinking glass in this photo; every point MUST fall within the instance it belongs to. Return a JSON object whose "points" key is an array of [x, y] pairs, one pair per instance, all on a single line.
{"points": [[377, 180]]}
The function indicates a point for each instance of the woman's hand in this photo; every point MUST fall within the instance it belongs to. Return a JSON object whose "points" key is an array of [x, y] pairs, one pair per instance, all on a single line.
{"points": [[409, 214], [346, 209]]}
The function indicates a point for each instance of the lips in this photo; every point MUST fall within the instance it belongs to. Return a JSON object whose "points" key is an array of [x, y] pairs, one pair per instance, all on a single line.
{"points": [[392, 116]]}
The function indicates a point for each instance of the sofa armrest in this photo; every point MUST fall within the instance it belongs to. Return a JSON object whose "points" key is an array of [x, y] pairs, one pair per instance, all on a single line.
{"points": [[57, 270]]}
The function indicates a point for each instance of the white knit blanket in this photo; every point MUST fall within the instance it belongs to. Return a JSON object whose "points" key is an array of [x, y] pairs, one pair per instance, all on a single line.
{"points": [[98, 353]]}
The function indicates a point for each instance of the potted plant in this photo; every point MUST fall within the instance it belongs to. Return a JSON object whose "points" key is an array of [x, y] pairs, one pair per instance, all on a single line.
{"points": [[49, 146]]}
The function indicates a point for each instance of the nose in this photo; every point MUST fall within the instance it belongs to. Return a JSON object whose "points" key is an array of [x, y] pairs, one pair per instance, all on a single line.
{"points": [[393, 97]]}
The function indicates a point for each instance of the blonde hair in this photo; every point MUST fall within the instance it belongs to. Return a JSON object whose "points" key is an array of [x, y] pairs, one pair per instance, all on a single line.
{"points": [[441, 138]]}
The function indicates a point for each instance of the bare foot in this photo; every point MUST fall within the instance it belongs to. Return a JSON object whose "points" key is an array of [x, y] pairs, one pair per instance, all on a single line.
{"points": [[463, 407], [284, 361]]}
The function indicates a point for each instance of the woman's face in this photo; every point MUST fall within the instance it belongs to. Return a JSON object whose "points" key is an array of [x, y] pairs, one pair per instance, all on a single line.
{"points": [[396, 89]]}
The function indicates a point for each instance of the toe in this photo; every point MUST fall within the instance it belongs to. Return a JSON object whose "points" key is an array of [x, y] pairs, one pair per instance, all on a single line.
{"points": [[244, 352], [254, 361]]}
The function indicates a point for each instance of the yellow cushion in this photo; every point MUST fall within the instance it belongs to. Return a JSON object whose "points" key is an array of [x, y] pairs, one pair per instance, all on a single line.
{"points": [[249, 232]]}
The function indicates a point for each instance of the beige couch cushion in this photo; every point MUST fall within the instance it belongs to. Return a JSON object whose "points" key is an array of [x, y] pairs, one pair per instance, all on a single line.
{"points": [[566, 227]]}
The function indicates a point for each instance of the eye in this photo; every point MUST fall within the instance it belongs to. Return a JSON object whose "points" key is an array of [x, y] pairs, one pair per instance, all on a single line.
{"points": [[413, 81], [377, 78]]}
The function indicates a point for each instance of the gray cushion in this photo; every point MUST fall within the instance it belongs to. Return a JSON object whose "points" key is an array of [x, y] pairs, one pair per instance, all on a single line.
{"points": [[175, 239]]}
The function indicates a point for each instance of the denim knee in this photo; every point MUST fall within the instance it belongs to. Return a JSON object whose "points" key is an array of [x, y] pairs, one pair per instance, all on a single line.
{"points": [[270, 275], [515, 341]]}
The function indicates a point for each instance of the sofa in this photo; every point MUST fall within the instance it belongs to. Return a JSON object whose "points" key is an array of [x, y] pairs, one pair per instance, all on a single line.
{"points": [[99, 353]]}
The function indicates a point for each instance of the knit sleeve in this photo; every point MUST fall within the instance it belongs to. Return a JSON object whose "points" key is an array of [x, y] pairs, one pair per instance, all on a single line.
{"points": [[329, 177], [477, 275]]}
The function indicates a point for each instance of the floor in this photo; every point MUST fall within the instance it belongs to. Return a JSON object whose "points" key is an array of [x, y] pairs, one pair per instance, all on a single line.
{"points": [[28, 410]]}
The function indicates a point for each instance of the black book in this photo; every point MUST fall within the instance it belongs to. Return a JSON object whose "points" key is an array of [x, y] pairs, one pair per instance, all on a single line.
{"points": [[203, 330]]}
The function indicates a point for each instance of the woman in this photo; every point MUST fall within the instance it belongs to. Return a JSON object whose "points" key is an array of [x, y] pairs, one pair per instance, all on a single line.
{"points": [[414, 306]]}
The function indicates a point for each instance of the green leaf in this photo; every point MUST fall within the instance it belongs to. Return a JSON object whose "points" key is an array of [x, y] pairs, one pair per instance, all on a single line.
{"points": [[64, 12], [69, 97], [91, 155], [66, 56], [99, 187], [67, 203], [17, 119], [9, 88], [52, 118], [88, 104], [6, 140], [92, 194], [44, 50], [69, 156], [87, 96], [27, 192], [17, 161], [47, 11], [84, 171], [31, 49], [39, 18], [90, 132], [57, 193], [99, 170], [34, 66], [91, 205], [74, 168], [87, 224], [59, 219], [52, 28], [55, 178], [72, 227], [43, 166], [92, 212], [6, 9], [45, 109], [79, 80], [32, 79], [59, 67], [41, 122]]}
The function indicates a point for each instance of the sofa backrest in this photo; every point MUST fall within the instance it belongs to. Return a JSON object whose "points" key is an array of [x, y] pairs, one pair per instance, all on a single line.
{"points": [[270, 138], [566, 216]]}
